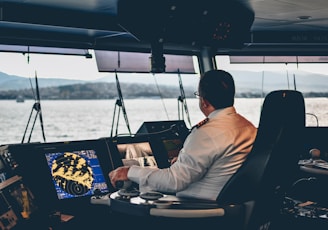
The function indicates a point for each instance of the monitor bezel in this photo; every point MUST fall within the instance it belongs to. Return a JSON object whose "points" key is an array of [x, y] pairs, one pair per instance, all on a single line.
{"points": [[34, 168], [155, 141], [114, 142], [161, 153], [70, 158]]}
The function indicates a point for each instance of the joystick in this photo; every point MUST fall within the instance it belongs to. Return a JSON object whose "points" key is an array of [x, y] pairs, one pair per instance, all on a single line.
{"points": [[120, 184], [100, 199], [128, 193], [126, 189]]}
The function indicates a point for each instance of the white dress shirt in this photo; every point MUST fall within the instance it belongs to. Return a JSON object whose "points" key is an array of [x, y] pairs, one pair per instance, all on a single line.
{"points": [[210, 155]]}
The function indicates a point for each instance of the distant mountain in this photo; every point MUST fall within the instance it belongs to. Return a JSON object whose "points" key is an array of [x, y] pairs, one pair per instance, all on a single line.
{"points": [[13, 82], [100, 90], [251, 81], [248, 84], [304, 81]]}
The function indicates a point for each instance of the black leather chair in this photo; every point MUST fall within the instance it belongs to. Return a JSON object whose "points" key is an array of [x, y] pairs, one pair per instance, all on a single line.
{"points": [[253, 196], [269, 171]]}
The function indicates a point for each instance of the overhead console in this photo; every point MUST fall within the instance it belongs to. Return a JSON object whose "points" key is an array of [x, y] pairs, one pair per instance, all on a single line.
{"points": [[197, 24], [206, 23]]}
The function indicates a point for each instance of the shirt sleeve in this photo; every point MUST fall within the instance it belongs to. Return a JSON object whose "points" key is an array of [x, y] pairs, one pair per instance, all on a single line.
{"points": [[191, 165]]}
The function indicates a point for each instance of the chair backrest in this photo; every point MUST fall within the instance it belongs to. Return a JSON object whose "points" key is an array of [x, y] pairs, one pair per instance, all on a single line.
{"points": [[271, 166]]}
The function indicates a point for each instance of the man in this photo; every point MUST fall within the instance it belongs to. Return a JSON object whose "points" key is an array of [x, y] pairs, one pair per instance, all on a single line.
{"points": [[211, 154]]}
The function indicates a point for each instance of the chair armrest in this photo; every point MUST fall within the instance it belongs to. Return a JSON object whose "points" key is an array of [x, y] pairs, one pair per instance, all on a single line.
{"points": [[187, 213]]}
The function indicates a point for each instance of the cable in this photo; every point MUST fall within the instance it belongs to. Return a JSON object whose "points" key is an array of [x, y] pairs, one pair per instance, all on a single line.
{"points": [[120, 104], [159, 91], [37, 108], [287, 76], [183, 100]]}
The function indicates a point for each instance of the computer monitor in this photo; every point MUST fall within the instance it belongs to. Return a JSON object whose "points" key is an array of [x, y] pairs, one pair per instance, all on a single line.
{"points": [[64, 175], [80, 168], [166, 138], [76, 172], [134, 150], [146, 150], [172, 147], [167, 147], [164, 128]]}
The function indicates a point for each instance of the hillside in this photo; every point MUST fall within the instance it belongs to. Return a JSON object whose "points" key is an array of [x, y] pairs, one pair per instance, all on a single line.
{"points": [[99, 90], [248, 84], [13, 82]]}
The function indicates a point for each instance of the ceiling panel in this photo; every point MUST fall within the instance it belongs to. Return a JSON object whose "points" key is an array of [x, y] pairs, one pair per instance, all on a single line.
{"points": [[94, 24]]}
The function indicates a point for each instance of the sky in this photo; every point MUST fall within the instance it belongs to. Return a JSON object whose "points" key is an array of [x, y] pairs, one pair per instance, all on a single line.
{"points": [[50, 66], [79, 67]]}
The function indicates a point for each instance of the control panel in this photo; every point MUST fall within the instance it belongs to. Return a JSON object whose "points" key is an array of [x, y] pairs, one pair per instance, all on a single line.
{"points": [[16, 199]]}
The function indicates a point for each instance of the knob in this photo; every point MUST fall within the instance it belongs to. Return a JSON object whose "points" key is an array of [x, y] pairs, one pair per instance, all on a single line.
{"points": [[315, 153]]}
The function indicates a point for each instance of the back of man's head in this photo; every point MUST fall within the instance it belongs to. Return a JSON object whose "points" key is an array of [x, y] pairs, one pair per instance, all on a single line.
{"points": [[218, 88]]}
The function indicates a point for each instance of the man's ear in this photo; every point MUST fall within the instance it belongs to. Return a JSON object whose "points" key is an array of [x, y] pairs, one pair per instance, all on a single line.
{"points": [[205, 103]]}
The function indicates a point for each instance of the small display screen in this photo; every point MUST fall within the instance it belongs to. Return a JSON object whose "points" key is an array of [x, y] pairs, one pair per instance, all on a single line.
{"points": [[76, 173], [173, 147], [138, 153], [166, 148]]}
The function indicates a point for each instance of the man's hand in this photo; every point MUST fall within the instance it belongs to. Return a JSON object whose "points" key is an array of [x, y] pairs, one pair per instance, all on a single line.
{"points": [[119, 174], [173, 160]]}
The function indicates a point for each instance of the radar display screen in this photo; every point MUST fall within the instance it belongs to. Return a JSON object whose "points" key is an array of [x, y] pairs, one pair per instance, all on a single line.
{"points": [[76, 173]]}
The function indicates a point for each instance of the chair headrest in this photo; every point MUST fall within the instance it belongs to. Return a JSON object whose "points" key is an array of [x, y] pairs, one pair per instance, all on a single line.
{"points": [[283, 106]]}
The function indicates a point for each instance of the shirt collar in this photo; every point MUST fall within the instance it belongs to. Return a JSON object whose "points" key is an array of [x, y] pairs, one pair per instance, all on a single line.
{"points": [[224, 111]]}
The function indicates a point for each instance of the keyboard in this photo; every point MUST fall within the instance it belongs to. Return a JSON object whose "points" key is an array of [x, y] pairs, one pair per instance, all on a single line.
{"points": [[321, 164]]}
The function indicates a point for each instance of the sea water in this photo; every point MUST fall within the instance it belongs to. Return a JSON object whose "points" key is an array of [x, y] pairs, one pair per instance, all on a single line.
{"points": [[67, 120]]}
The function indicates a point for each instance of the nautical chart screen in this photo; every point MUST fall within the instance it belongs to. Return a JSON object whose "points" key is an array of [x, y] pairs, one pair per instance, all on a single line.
{"points": [[76, 173], [133, 150]]}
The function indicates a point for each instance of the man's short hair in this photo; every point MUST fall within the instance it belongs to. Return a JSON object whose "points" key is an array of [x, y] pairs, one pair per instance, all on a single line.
{"points": [[218, 88]]}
